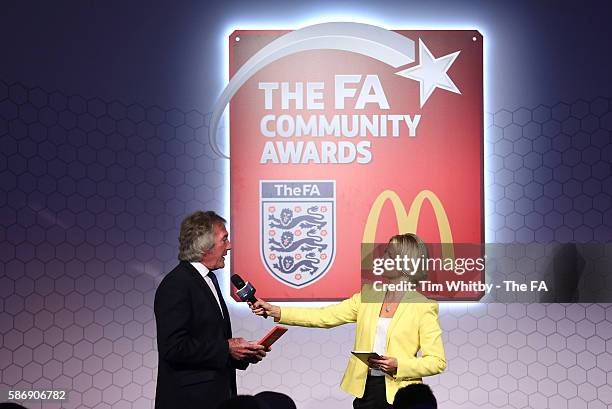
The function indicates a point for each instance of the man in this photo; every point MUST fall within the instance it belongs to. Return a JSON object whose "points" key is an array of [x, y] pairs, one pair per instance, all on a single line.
{"points": [[198, 357]]}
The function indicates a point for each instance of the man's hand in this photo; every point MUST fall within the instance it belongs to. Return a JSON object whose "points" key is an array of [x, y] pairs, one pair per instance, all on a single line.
{"points": [[243, 350], [386, 364], [264, 309]]}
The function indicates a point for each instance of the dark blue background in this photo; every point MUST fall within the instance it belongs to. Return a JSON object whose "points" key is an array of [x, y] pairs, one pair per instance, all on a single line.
{"points": [[169, 53]]}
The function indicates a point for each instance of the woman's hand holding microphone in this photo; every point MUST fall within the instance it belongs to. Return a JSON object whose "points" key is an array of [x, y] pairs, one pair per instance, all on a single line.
{"points": [[265, 309]]}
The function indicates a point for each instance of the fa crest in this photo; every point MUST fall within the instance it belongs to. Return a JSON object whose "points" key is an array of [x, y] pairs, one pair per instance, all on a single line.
{"points": [[298, 231]]}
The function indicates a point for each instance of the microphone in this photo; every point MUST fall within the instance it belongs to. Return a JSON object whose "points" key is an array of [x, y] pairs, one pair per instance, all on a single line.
{"points": [[246, 291]]}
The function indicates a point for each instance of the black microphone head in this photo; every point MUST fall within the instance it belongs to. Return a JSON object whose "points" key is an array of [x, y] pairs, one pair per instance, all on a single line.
{"points": [[244, 291], [237, 281]]}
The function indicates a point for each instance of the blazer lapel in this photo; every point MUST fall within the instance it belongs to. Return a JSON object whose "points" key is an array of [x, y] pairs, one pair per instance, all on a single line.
{"points": [[372, 315], [401, 309], [197, 277]]}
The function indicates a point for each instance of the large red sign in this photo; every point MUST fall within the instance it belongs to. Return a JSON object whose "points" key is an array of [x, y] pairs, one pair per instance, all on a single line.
{"points": [[342, 142]]}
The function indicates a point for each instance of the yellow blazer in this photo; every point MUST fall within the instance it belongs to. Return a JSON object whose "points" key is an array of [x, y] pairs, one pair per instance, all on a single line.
{"points": [[414, 327]]}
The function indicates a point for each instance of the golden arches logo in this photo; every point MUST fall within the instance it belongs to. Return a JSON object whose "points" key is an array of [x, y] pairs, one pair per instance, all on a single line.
{"points": [[407, 222]]}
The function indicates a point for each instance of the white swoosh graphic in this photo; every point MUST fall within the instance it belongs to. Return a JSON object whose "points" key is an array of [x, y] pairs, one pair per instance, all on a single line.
{"points": [[383, 45]]}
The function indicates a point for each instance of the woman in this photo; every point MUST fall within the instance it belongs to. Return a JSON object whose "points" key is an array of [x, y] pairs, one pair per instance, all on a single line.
{"points": [[394, 324]]}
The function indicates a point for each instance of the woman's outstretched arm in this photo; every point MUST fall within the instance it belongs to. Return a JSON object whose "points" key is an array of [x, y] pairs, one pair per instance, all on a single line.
{"points": [[325, 317]]}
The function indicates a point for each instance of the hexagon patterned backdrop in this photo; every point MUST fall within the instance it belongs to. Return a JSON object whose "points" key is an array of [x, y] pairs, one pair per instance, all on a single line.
{"points": [[92, 193]]}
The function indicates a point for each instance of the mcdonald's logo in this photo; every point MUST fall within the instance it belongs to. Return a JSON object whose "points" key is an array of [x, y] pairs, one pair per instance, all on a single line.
{"points": [[407, 222]]}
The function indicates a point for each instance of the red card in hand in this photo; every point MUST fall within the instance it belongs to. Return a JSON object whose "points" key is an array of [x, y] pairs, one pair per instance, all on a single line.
{"points": [[272, 336]]}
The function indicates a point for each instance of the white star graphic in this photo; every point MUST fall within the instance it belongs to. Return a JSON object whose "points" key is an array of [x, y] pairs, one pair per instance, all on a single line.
{"points": [[431, 72]]}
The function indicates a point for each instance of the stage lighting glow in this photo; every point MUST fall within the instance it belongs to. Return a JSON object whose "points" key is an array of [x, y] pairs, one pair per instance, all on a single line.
{"points": [[366, 18]]}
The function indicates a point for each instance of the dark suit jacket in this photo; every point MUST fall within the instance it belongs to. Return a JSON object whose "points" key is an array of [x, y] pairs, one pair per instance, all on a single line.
{"points": [[195, 367]]}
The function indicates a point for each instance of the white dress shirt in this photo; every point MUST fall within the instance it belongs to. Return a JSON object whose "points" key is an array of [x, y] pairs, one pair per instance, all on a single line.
{"points": [[380, 341], [203, 270]]}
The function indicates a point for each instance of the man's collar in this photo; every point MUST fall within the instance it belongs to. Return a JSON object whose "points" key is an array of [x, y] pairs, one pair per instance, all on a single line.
{"points": [[202, 269]]}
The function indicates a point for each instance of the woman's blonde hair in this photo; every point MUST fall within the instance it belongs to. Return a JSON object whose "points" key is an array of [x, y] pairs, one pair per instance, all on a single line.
{"points": [[409, 244]]}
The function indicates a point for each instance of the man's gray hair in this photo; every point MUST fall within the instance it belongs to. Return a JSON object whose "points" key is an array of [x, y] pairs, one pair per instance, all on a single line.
{"points": [[197, 234]]}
